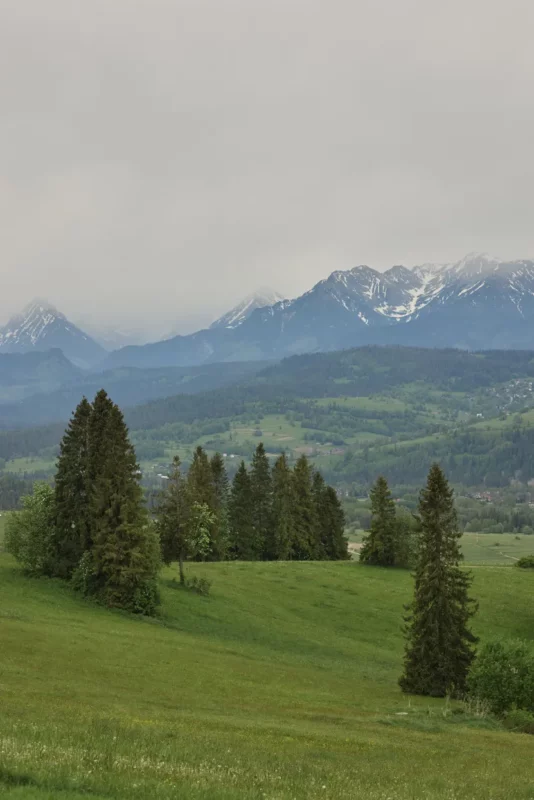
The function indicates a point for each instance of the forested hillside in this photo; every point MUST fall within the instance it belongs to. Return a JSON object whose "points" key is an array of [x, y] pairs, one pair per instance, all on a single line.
{"points": [[356, 413]]}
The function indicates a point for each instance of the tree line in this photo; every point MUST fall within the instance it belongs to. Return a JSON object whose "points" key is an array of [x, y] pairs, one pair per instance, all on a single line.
{"points": [[92, 527], [266, 513]]}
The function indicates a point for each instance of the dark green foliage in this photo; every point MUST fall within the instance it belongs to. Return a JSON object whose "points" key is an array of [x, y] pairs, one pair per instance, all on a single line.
{"points": [[519, 721], [199, 585], [262, 498], [221, 489], [527, 562], [12, 490], [171, 519], [124, 548], [439, 644], [30, 533], [72, 494], [304, 534], [502, 677], [379, 546], [200, 483], [243, 541], [278, 544], [407, 529], [200, 487], [330, 521]]}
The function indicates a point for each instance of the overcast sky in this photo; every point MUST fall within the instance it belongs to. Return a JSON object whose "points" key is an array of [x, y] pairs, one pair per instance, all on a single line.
{"points": [[162, 158]]}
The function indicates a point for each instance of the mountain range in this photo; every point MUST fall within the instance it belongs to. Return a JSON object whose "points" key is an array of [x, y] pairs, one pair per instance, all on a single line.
{"points": [[478, 303]]}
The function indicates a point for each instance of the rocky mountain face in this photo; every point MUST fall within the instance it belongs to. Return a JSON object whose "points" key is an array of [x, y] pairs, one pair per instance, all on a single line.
{"points": [[234, 318], [478, 303], [41, 327]]}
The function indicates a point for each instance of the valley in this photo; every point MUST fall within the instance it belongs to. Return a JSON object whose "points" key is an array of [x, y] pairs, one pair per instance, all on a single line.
{"points": [[355, 414]]}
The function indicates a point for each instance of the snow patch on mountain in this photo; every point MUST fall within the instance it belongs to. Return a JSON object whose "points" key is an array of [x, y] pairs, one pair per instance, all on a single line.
{"points": [[262, 298], [40, 326]]}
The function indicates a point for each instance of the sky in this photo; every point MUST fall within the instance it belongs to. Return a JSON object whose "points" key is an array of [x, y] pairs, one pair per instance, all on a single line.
{"points": [[160, 159]]}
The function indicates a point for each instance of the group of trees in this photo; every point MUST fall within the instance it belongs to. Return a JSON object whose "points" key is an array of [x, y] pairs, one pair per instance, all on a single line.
{"points": [[266, 513], [92, 528]]}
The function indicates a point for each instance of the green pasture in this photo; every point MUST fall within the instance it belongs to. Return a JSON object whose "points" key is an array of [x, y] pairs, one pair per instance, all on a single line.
{"points": [[281, 684]]}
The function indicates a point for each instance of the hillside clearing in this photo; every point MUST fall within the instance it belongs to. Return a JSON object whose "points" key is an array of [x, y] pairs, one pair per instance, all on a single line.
{"points": [[281, 684]]}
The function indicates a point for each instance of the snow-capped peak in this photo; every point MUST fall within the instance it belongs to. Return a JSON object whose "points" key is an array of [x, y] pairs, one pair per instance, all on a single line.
{"points": [[30, 325], [40, 326], [262, 298], [475, 264]]}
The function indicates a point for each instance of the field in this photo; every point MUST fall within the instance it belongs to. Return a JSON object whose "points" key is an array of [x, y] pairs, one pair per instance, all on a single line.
{"points": [[482, 549], [280, 684]]}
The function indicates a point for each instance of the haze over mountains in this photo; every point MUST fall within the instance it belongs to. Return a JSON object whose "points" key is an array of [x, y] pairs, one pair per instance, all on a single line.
{"points": [[480, 302]]}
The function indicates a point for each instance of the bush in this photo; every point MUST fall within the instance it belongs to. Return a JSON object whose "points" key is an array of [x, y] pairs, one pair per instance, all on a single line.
{"points": [[199, 585], [527, 562], [520, 721], [502, 676], [30, 533]]}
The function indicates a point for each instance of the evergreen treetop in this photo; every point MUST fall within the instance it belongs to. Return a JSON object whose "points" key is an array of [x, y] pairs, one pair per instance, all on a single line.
{"points": [[439, 643], [379, 545]]}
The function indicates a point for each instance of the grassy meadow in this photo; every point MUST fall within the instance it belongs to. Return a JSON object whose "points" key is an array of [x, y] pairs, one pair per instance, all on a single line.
{"points": [[479, 549], [280, 684]]}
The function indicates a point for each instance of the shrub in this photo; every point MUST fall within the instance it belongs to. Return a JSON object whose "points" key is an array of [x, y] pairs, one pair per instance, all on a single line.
{"points": [[30, 533], [199, 585], [527, 562], [519, 720], [503, 677]]}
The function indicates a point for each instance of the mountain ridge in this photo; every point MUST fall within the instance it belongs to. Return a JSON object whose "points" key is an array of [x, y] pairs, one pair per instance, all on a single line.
{"points": [[41, 327], [480, 302]]}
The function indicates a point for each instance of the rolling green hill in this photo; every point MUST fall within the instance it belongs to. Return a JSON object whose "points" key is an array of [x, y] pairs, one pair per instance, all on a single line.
{"points": [[356, 413], [280, 684]]}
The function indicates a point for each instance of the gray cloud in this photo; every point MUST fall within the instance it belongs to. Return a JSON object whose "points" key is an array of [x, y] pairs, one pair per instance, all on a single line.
{"points": [[162, 158]]}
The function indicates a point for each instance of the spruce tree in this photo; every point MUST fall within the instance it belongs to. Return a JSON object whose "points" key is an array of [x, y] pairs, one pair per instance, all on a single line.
{"points": [[280, 536], [242, 534], [379, 545], [305, 542], [221, 492], [439, 643], [72, 495], [262, 499], [171, 519], [329, 520], [201, 490], [125, 553], [200, 484]]}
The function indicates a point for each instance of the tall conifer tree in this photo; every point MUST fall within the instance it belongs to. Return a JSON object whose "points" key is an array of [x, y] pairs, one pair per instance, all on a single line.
{"points": [[242, 533], [171, 519], [221, 490], [330, 521], [280, 537], [72, 495], [262, 499], [125, 553], [201, 489], [379, 545], [305, 542], [439, 644]]}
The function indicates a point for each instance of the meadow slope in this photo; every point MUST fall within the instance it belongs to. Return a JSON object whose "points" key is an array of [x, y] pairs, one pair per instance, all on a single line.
{"points": [[280, 684]]}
